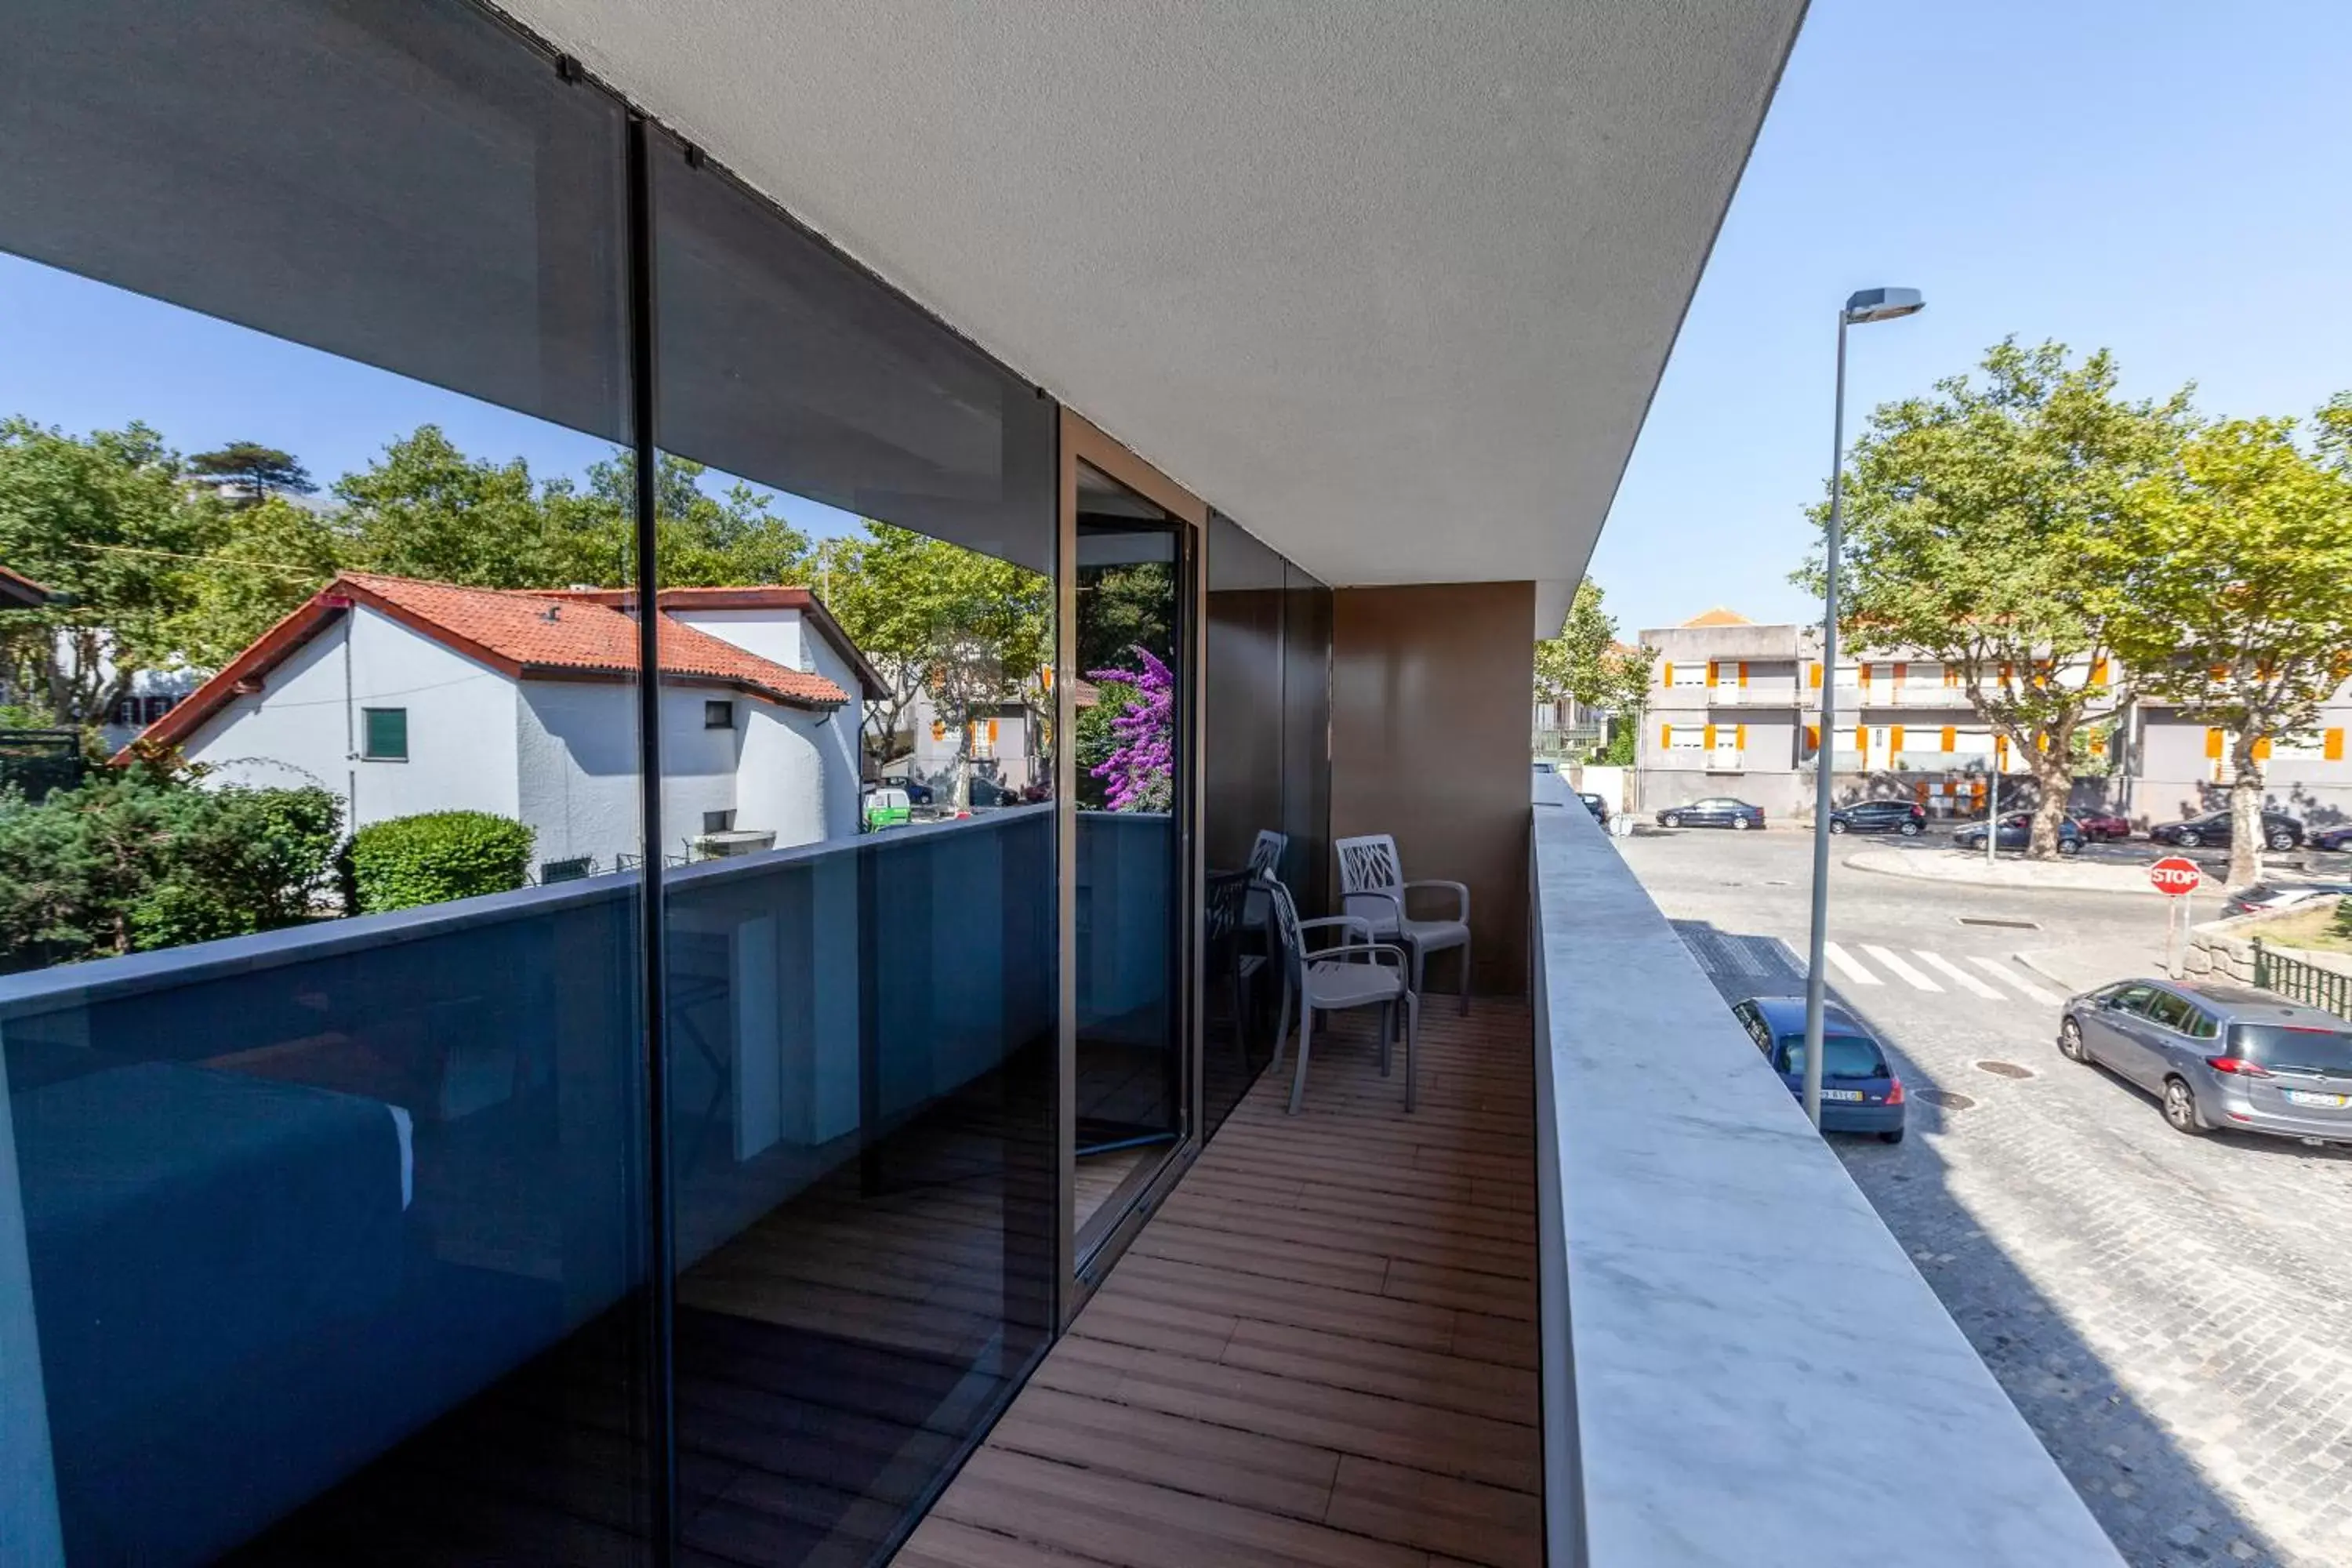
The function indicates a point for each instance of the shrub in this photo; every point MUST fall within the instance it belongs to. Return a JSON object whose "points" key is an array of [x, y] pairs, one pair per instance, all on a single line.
{"points": [[146, 856], [410, 860], [2344, 918]]}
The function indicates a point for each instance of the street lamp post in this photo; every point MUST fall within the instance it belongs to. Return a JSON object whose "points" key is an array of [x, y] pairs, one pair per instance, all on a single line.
{"points": [[1865, 306]]}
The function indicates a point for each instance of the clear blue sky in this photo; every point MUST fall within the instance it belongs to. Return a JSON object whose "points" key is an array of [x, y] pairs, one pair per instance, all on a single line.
{"points": [[87, 356], [2166, 179]]}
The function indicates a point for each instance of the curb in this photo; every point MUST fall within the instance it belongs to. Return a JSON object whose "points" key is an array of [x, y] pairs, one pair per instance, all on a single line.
{"points": [[1999, 887]]}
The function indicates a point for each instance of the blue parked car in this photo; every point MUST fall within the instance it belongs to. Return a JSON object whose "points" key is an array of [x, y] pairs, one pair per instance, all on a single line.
{"points": [[1860, 1092], [1715, 810]]}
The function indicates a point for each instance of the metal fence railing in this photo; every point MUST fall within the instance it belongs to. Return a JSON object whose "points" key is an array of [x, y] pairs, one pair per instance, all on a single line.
{"points": [[2300, 982]]}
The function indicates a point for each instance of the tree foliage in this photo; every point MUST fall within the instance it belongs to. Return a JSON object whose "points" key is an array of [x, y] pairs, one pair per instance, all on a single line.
{"points": [[2238, 608], [254, 471], [1586, 663], [146, 857], [1992, 526]]}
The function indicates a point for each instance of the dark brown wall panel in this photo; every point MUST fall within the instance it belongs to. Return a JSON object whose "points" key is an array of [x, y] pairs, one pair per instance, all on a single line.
{"points": [[1429, 741]]}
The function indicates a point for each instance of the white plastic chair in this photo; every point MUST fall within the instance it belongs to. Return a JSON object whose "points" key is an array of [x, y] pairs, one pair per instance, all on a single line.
{"points": [[1336, 978], [1373, 886]]}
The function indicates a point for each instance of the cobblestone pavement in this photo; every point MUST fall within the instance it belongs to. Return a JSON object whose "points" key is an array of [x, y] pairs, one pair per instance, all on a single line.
{"points": [[2172, 1315]]}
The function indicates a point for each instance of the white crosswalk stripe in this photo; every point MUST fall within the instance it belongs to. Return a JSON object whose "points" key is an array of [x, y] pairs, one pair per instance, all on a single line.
{"points": [[1967, 981], [1900, 968], [2000, 971], [1846, 965]]}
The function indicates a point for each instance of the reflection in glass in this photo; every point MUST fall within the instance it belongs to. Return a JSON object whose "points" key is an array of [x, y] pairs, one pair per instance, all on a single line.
{"points": [[859, 1022], [1131, 1085]]}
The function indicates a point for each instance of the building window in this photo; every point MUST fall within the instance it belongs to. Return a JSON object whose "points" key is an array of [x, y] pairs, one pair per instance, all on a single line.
{"points": [[719, 715], [383, 734], [717, 822]]}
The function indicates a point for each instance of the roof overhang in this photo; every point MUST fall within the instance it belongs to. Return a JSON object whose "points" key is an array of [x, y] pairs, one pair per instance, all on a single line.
{"points": [[19, 592], [1390, 285]]}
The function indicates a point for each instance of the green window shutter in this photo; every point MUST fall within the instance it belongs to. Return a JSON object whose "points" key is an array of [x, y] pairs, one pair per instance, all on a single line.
{"points": [[385, 733]]}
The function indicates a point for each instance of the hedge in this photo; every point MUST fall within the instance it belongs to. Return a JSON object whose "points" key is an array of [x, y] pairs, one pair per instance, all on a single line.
{"points": [[406, 861]]}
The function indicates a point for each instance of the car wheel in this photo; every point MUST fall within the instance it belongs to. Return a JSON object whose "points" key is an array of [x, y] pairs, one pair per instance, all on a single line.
{"points": [[2070, 846], [2180, 1107], [1741, 824], [1837, 828], [2189, 838], [1910, 830], [2070, 1042], [1672, 819], [2282, 840]]}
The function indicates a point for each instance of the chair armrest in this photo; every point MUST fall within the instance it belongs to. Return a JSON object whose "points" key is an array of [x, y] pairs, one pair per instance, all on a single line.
{"points": [[1395, 902], [1460, 896], [1353, 922], [1378, 951]]}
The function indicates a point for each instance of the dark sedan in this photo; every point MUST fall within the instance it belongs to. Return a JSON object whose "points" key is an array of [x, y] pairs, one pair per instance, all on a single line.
{"points": [[2017, 833], [1595, 805], [1718, 811], [2280, 831], [2338, 837], [1906, 817]]}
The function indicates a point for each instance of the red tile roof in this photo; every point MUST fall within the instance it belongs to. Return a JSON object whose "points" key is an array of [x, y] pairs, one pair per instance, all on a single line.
{"points": [[523, 635], [20, 592]]}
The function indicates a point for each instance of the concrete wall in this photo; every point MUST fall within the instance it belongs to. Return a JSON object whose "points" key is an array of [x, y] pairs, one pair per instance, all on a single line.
{"points": [[303, 727], [1429, 742]]}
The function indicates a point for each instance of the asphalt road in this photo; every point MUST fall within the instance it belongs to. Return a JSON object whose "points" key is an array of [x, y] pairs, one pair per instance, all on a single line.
{"points": [[2173, 1315]]}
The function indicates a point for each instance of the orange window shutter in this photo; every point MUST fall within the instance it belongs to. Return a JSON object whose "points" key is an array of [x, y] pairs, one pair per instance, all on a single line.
{"points": [[1814, 737], [1739, 736], [2098, 745], [2331, 745], [2262, 750], [1951, 734], [1902, 672], [1895, 739], [991, 732], [2213, 742], [1706, 737], [1666, 736], [1710, 672], [1865, 672], [1743, 673], [2041, 740], [1816, 677], [2220, 672], [2098, 672], [1951, 675], [1666, 673]]}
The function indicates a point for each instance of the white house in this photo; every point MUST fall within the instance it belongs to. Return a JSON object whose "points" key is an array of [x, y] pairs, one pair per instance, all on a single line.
{"points": [[389, 690]]}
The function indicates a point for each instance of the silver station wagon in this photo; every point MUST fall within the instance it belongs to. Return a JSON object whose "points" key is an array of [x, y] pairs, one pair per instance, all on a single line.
{"points": [[2221, 1056]]}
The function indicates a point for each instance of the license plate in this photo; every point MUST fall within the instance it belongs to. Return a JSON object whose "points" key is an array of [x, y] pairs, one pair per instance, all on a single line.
{"points": [[2313, 1096], [1856, 1094]]}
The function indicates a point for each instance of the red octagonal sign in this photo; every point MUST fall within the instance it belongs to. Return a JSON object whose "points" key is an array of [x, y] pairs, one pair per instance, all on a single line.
{"points": [[2175, 875]]}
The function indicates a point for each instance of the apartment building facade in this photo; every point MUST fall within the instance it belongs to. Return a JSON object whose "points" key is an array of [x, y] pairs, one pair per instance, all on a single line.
{"points": [[1735, 712]]}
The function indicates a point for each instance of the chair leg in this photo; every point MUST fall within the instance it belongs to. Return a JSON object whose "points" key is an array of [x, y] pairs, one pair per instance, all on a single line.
{"points": [[1388, 1033], [1281, 1028], [1420, 961], [1465, 976], [1306, 1037], [1412, 1029], [1241, 1022]]}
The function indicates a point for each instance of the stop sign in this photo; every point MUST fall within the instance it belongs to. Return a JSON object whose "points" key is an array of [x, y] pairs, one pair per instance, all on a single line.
{"points": [[2175, 875]]}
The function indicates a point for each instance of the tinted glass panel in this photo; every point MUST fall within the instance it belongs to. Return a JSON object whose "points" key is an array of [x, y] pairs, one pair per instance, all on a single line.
{"points": [[1242, 720], [861, 974], [1306, 739], [331, 1192], [2169, 1010]]}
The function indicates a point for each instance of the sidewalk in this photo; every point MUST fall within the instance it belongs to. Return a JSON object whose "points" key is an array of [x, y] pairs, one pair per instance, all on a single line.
{"points": [[2086, 965], [2011, 870]]}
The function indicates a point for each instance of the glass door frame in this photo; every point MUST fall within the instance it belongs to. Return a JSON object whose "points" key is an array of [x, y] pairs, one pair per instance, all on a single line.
{"points": [[1082, 443]]}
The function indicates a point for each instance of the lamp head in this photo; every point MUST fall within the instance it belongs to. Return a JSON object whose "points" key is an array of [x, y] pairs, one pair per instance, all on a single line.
{"points": [[1882, 304]]}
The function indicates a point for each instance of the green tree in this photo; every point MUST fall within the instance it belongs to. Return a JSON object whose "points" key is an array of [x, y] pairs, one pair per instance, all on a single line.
{"points": [[706, 541], [1586, 663], [110, 522], [147, 856], [256, 472], [424, 509], [2241, 612], [967, 630], [268, 560], [1992, 526]]}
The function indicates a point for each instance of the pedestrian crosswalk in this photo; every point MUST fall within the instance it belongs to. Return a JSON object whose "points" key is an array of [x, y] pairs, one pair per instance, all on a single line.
{"points": [[1764, 960]]}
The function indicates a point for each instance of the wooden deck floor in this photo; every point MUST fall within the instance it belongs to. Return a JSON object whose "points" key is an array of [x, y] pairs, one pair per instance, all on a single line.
{"points": [[1322, 1349]]}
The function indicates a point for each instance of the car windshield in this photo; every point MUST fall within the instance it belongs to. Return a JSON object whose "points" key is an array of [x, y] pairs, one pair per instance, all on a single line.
{"points": [[1843, 1056], [2280, 1046]]}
